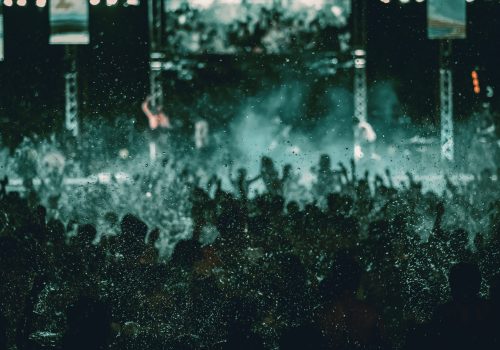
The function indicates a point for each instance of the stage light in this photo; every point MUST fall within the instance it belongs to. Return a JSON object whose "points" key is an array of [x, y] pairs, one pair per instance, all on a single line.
{"points": [[386, 1], [111, 2], [95, 2], [404, 1], [475, 82], [132, 2], [469, 0], [41, 3], [8, 3], [21, 2], [336, 10], [359, 52], [419, 0], [204, 4]]}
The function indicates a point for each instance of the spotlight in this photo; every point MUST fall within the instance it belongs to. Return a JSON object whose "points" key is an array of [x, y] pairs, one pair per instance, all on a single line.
{"points": [[475, 82], [419, 0], [133, 2], [469, 0], [404, 1], [111, 2], [8, 3], [41, 3], [94, 2], [21, 2], [336, 10], [386, 1]]}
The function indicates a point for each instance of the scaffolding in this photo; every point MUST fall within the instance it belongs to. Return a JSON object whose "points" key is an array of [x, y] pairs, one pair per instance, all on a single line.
{"points": [[156, 56], [446, 101], [71, 92]]}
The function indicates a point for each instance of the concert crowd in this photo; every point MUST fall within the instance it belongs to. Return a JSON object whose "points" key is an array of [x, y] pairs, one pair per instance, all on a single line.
{"points": [[360, 263]]}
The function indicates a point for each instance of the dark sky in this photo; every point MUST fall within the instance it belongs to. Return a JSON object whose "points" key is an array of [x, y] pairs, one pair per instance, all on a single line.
{"points": [[113, 68]]}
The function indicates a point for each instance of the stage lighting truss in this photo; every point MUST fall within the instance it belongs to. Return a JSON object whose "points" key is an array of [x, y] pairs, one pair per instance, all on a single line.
{"points": [[43, 3]]}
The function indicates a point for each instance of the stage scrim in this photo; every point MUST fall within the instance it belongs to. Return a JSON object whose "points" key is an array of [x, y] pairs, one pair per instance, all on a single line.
{"points": [[446, 19], [262, 26], [276, 52], [69, 22]]}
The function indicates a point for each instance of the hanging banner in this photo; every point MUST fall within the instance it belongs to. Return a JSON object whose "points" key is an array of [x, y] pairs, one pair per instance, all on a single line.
{"points": [[69, 22], [446, 19], [1, 33]]}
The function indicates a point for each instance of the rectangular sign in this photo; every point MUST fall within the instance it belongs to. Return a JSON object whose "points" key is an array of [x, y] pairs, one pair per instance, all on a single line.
{"points": [[446, 19], [1, 33], [69, 22], [254, 26]]}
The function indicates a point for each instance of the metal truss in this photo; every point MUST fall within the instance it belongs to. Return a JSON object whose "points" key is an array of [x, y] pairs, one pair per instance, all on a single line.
{"points": [[446, 102], [71, 93]]}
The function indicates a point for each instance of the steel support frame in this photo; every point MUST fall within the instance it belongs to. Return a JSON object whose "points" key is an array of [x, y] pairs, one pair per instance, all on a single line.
{"points": [[156, 35], [360, 87], [360, 98], [71, 122], [446, 101]]}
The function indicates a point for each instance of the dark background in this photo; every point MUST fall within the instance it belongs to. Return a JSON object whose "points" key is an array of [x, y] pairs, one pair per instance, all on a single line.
{"points": [[113, 69]]}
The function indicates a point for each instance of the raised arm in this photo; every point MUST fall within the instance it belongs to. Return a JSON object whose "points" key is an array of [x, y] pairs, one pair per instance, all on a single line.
{"points": [[389, 177], [153, 122], [145, 108]]}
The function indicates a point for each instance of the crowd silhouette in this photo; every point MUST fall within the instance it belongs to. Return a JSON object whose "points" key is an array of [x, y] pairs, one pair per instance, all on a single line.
{"points": [[356, 267]]}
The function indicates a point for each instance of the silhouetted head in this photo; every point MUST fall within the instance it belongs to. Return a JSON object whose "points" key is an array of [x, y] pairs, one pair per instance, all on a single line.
{"points": [[186, 253], [292, 208], [266, 163], [287, 170], [133, 235], [39, 214], [111, 218], [276, 205], [56, 232], [465, 281], [86, 234], [324, 162], [133, 227], [242, 173]]}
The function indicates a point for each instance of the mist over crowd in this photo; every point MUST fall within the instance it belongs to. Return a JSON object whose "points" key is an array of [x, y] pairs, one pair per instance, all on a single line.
{"points": [[250, 210]]}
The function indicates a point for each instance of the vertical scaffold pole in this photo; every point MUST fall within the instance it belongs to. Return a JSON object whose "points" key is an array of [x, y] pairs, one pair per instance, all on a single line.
{"points": [[359, 57], [155, 16], [360, 88], [446, 101], [71, 92], [156, 57]]}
